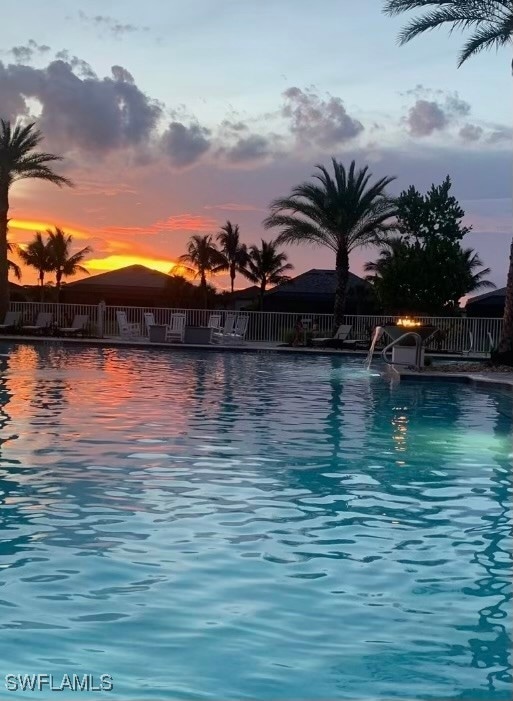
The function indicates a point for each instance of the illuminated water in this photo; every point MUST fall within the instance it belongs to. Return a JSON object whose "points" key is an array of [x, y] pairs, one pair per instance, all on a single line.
{"points": [[237, 526]]}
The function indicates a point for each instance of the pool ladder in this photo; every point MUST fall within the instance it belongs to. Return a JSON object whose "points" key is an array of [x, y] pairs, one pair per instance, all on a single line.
{"points": [[418, 349]]}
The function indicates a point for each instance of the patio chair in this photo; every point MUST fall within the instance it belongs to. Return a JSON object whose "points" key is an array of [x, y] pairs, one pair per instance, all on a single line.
{"points": [[338, 340], [240, 330], [149, 320], [12, 319], [224, 334], [214, 322], [43, 321], [126, 328], [78, 325], [175, 331]]}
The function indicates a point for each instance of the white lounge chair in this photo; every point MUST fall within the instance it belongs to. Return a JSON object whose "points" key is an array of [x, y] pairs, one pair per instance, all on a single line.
{"points": [[11, 320], [149, 320], [338, 339], [224, 334], [43, 321], [126, 328], [175, 331], [214, 322], [239, 332], [78, 325]]}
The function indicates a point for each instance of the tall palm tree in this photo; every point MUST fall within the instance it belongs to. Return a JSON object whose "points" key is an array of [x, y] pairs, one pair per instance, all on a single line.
{"points": [[341, 213], [62, 262], [491, 26], [202, 259], [19, 160], [37, 255], [233, 250], [266, 266]]}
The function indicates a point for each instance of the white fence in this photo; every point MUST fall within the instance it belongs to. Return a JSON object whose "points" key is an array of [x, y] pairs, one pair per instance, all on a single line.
{"points": [[455, 334]]}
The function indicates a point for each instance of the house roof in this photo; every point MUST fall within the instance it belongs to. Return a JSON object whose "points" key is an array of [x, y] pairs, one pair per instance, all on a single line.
{"points": [[246, 293], [131, 276], [487, 297], [314, 282]]}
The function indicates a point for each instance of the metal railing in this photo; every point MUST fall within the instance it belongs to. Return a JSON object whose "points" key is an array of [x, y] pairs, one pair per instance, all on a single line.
{"points": [[276, 327], [418, 349]]}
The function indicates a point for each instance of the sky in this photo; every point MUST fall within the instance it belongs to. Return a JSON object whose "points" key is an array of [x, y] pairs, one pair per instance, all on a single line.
{"points": [[173, 117]]}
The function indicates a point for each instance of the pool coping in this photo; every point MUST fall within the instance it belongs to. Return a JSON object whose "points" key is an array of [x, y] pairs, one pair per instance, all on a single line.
{"points": [[496, 380]]}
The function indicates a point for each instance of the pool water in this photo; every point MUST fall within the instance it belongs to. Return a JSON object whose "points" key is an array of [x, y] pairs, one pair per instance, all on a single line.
{"points": [[252, 526]]}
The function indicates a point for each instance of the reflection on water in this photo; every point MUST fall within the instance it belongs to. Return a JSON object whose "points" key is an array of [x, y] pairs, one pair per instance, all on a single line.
{"points": [[227, 525]]}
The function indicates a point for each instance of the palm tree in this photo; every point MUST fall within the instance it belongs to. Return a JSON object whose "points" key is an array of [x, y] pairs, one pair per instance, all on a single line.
{"points": [[11, 266], [266, 266], [19, 160], [491, 25], [342, 213], [202, 259], [37, 255], [62, 262], [234, 252]]}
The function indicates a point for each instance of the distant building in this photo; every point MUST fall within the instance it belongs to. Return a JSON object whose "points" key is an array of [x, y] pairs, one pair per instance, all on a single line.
{"points": [[134, 285], [241, 299], [488, 304], [314, 292]]}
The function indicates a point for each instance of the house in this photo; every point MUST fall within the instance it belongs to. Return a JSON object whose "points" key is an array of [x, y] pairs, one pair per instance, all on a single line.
{"points": [[488, 304], [314, 292], [241, 299], [135, 285]]}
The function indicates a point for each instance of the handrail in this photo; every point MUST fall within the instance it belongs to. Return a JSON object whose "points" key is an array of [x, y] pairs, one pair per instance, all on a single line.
{"points": [[418, 348]]}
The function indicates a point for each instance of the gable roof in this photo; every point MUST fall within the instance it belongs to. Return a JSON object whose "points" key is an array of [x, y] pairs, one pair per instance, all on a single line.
{"points": [[131, 276], [498, 295], [315, 282]]}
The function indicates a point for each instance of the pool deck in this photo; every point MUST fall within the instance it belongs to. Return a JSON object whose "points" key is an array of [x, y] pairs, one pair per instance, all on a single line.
{"points": [[497, 379]]}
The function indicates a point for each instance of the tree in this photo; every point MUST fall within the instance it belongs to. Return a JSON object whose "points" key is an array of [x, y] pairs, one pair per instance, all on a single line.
{"points": [[37, 255], [342, 213], [266, 266], [430, 277], [491, 25], [234, 252], [62, 262], [425, 269], [11, 266], [19, 160], [202, 259]]}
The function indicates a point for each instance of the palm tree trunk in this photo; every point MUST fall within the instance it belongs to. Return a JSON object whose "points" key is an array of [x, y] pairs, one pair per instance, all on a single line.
{"points": [[4, 265], [41, 285], [203, 285], [232, 275], [342, 271], [261, 296], [506, 343]]}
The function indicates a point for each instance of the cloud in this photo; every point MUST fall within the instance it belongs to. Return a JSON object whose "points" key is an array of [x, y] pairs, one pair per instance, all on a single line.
{"points": [[184, 145], [179, 223], [234, 207], [95, 115], [25, 53], [500, 133], [425, 117], [110, 25], [436, 111], [471, 132], [247, 149], [316, 121]]}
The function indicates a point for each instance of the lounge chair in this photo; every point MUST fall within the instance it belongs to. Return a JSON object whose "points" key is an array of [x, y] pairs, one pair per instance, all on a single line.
{"points": [[224, 334], [175, 331], [78, 325], [149, 320], [339, 340], [12, 319], [43, 321], [127, 329], [214, 322], [239, 332]]}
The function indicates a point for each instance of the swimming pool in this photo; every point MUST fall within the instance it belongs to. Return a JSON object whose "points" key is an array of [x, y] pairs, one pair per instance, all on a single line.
{"points": [[252, 526]]}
